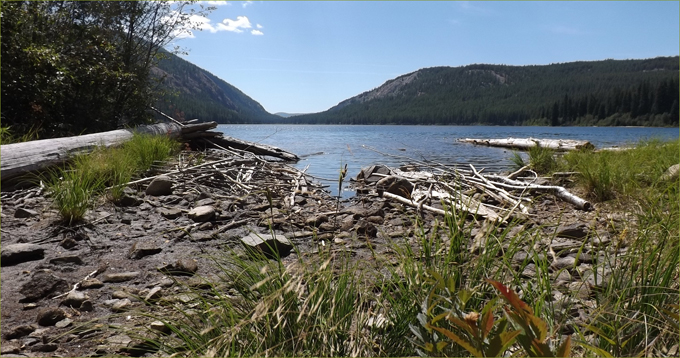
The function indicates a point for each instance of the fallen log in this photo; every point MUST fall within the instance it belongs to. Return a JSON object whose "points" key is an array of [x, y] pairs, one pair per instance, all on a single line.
{"points": [[18, 159], [255, 148], [527, 143]]}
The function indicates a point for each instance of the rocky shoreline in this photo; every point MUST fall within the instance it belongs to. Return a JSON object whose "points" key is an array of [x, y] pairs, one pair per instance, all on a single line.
{"points": [[159, 240]]}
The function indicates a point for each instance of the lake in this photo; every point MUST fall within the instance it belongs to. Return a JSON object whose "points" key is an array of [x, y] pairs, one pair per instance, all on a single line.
{"points": [[327, 148]]}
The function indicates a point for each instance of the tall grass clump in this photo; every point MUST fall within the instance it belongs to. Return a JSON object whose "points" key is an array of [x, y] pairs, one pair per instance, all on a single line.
{"points": [[626, 173], [75, 187], [541, 159]]}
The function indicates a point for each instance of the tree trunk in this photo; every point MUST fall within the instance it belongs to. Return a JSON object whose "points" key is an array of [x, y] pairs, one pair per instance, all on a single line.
{"points": [[526, 143], [18, 159]]}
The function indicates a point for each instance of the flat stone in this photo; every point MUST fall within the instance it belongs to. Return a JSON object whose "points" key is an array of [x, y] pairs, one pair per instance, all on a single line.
{"points": [[49, 316], [19, 331], [119, 340], [43, 283], [71, 259], [170, 213], [160, 327], [180, 267], [90, 283], [120, 276], [63, 323], [563, 263], [74, 299], [267, 244], [122, 305], [22, 213], [202, 213], [129, 200], [143, 248], [160, 185], [17, 253], [154, 294], [573, 231], [205, 202], [316, 220], [46, 347]]}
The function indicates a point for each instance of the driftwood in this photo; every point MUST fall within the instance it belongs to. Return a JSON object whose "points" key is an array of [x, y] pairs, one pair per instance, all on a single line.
{"points": [[255, 148], [526, 143], [18, 159]]}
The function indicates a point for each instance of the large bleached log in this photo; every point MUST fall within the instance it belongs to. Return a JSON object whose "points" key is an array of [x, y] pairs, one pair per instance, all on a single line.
{"points": [[18, 159], [526, 143], [255, 148]]}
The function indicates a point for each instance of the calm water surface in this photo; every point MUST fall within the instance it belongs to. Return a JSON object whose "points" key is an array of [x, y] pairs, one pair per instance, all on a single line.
{"points": [[326, 148]]}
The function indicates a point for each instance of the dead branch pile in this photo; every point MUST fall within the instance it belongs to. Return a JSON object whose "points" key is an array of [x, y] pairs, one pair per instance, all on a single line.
{"points": [[493, 197]]}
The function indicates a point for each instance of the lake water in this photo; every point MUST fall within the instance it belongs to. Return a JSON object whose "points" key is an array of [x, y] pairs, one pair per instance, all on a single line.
{"points": [[326, 148]]}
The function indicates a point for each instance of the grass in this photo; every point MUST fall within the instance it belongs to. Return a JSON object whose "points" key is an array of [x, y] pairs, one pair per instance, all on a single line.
{"points": [[436, 293], [541, 159], [75, 187], [8, 137]]}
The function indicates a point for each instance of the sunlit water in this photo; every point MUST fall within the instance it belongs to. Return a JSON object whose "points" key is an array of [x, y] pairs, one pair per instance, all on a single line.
{"points": [[327, 148]]}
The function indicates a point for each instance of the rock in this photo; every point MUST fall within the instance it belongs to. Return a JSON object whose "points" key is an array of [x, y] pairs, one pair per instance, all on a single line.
{"points": [[160, 327], [68, 243], [22, 213], [395, 185], [19, 331], [120, 276], [160, 185], [205, 202], [347, 223], [316, 220], [267, 244], [46, 347], [154, 294], [119, 340], [122, 305], [563, 263], [71, 259], [180, 267], [365, 229], [375, 219], [63, 323], [49, 316], [580, 289], [529, 271], [90, 283], [126, 219], [573, 231], [670, 174], [170, 213], [87, 306], [143, 248], [368, 174], [42, 284], [74, 299], [18, 253], [202, 213], [129, 200]]}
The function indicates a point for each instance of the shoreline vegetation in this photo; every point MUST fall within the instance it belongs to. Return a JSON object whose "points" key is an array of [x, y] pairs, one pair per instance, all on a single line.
{"points": [[556, 282]]}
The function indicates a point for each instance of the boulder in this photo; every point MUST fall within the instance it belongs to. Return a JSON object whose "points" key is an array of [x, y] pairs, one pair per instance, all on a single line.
{"points": [[267, 244], [43, 283], [18, 253], [50, 316], [395, 185], [202, 213], [160, 185], [368, 174]]}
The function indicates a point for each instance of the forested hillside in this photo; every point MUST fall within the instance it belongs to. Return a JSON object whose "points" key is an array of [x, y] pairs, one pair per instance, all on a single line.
{"points": [[605, 93], [192, 92]]}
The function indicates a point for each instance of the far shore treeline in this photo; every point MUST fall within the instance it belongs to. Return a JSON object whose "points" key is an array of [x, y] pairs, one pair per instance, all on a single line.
{"points": [[81, 67]]}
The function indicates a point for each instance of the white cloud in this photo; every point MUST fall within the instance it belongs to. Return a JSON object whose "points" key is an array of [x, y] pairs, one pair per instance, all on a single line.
{"points": [[246, 3], [237, 25], [258, 26], [214, 3], [257, 32]]}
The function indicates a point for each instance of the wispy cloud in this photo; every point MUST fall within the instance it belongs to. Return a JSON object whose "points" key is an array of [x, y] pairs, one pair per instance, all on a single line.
{"points": [[471, 7], [214, 3], [237, 25], [246, 3], [258, 26], [257, 32]]}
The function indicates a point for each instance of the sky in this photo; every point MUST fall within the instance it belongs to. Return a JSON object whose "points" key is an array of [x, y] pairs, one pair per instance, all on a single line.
{"points": [[307, 56]]}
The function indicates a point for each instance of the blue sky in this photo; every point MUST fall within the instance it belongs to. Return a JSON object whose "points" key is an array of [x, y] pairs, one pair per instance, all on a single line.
{"points": [[304, 57]]}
